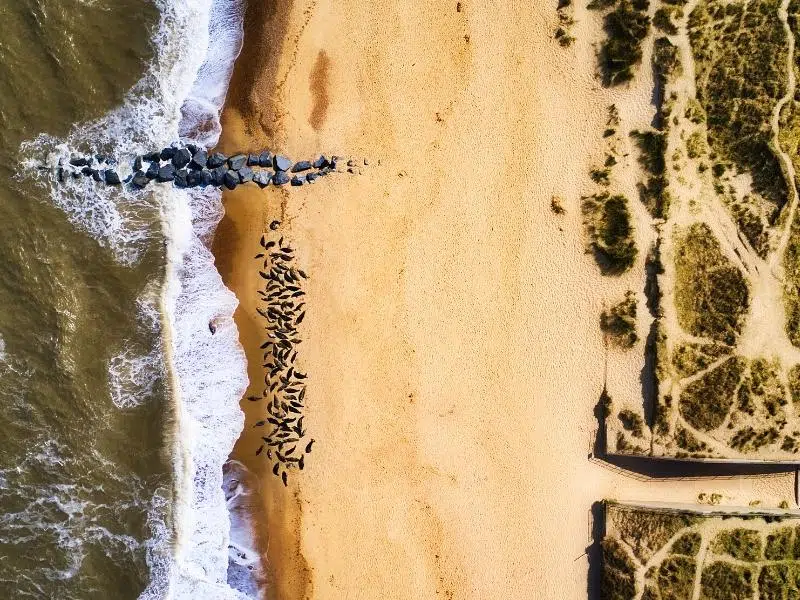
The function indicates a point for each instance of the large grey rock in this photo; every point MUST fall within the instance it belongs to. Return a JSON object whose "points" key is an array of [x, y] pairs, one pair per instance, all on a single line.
{"points": [[152, 170], [311, 177], [231, 180], [97, 175], [193, 178], [139, 180], [137, 163], [167, 153], [252, 160], [166, 173], [321, 162], [199, 160], [245, 174], [301, 166], [192, 148], [265, 159], [216, 160], [87, 171], [78, 161], [152, 156], [296, 181], [112, 177], [281, 163], [262, 178], [237, 162], [219, 175], [181, 178], [206, 178], [182, 158], [280, 178]]}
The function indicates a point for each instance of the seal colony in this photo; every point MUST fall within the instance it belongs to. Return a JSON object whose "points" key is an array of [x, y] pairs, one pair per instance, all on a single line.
{"points": [[188, 166], [284, 383]]}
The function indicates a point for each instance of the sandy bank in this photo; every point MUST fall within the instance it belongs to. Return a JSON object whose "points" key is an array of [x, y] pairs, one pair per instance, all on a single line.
{"points": [[451, 341]]}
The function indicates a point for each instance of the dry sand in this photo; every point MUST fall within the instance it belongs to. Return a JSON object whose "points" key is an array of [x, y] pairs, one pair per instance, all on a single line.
{"points": [[452, 338]]}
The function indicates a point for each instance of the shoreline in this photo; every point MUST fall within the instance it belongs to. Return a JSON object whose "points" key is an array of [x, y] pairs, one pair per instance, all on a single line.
{"points": [[452, 339]]}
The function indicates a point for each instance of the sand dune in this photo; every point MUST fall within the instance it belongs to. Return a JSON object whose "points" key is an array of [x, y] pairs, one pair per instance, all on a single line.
{"points": [[452, 338]]}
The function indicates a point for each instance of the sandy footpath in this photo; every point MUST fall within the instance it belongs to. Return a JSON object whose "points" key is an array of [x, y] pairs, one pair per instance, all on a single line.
{"points": [[451, 340]]}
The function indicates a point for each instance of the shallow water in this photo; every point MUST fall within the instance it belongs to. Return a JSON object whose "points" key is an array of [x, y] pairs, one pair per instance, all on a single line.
{"points": [[103, 485]]}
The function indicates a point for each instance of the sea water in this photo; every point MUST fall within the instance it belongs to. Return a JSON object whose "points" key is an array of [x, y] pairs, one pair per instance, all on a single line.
{"points": [[119, 404]]}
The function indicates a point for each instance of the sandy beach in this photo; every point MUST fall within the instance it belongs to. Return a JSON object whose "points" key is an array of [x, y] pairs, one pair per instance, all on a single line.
{"points": [[451, 342]]}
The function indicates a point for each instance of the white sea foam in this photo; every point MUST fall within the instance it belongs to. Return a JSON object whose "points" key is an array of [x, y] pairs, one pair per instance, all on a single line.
{"points": [[196, 43]]}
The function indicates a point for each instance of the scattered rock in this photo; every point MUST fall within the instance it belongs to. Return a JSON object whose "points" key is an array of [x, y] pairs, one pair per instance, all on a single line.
{"points": [[216, 160], [87, 171], [112, 177], [219, 175], [206, 178], [193, 148], [351, 163], [311, 177], [253, 160], [321, 162], [280, 178], [281, 163], [137, 163], [199, 160], [140, 180], [167, 153], [97, 176], [265, 159], [296, 181], [193, 178], [301, 166], [152, 170], [182, 158], [152, 157], [245, 174], [262, 178], [231, 179], [274, 225], [166, 173], [78, 161], [237, 162]]}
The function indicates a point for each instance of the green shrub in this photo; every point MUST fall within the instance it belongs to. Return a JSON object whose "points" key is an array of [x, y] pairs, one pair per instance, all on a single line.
{"points": [[676, 577], [663, 20], [779, 544], [688, 544], [611, 232], [711, 294], [632, 422], [742, 544], [705, 402], [619, 323], [618, 579], [690, 358], [778, 582], [626, 28], [724, 581]]}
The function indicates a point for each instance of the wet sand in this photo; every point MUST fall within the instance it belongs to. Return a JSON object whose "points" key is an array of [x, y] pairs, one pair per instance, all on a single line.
{"points": [[451, 340]]}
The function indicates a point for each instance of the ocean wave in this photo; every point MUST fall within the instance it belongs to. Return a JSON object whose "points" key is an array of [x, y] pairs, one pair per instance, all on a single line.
{"points": [[180, 96]]}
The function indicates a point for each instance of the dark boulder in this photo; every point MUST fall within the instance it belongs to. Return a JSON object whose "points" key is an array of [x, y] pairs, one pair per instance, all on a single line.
{"points": [[332, 163], [301, 166], [181, 176], [182, 158], [265, 159], [231, 180], [262, 178], [311, 177], [137, 163], [280, 178], [281, 163], [193, 178], [112, 177], [245, 174], [60, 174], [100, 158], [216, 160], [167, 153], [199, 160], [219, 175], [166, 173], [97, 175], [320, 163], [152, 170], [206, 178], [78, 161], [87, 171], [139, 180], [237, 162], [298, 181], [192, 148], [152, 156], [253, 160]]}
